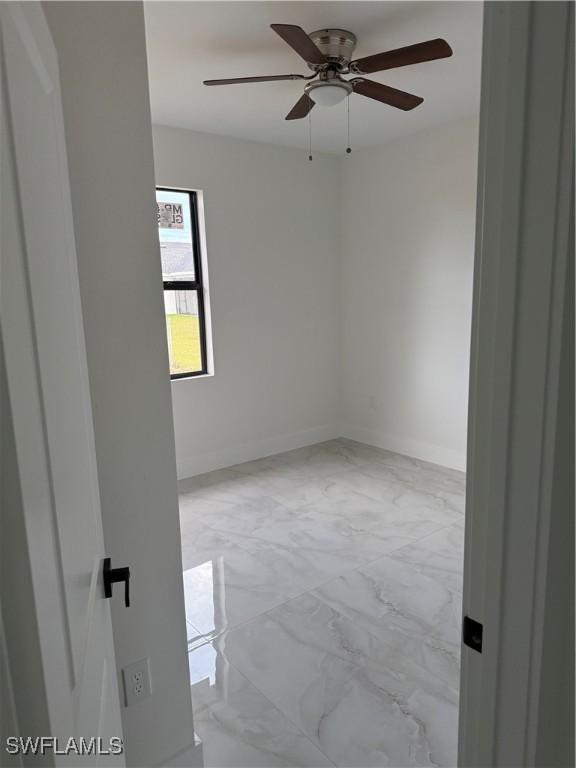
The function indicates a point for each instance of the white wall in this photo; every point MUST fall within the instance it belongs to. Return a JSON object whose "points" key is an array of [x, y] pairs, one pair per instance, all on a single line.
{"points": [[341, 293], [408, 214], [102, 56], [273, 249]]}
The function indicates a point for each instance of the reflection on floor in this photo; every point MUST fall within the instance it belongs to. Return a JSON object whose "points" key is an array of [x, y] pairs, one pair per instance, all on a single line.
{"points": [[323, 594]]}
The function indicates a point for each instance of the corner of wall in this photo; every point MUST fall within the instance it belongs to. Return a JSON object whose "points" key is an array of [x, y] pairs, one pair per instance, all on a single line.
{"points": [[434, 454], [406, 268], [199, 463]]}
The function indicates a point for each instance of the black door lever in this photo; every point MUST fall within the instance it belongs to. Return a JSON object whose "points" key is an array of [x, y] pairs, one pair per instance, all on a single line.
{"points": [[113, 576]]}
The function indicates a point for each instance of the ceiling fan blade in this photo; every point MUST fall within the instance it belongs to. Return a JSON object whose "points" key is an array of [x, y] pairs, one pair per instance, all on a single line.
{"points": [[263, 79], [301, 108], [385, 93], [300, 42], [402, 57]]}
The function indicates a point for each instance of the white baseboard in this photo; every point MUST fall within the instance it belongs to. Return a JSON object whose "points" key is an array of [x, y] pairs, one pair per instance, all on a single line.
{"points": [[189, 466], [435, 454], [237, 454]]}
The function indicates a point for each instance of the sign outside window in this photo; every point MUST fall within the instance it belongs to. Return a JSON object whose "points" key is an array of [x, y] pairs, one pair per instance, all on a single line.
{"points": [[170, 215]]}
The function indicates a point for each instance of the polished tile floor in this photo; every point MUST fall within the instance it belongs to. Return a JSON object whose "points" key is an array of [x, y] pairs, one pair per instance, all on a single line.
{"points": [[323, 595]]}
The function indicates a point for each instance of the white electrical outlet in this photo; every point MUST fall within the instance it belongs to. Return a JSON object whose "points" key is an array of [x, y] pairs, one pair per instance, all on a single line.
{"points": [[137, 685]]}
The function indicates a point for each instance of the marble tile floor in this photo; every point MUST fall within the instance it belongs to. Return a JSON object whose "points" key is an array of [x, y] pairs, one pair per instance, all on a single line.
{"points": [[323, 596]]}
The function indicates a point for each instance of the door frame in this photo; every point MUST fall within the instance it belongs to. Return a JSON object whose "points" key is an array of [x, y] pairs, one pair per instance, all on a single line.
{"points": [[524, 208], [515, 362]]}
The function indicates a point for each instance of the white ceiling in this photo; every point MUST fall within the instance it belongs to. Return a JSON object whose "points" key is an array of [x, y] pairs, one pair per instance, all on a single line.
{"points": [[189, 42]]}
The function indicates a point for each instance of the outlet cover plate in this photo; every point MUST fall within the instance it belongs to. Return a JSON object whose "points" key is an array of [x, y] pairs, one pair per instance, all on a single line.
{"points": [[137, 683]]}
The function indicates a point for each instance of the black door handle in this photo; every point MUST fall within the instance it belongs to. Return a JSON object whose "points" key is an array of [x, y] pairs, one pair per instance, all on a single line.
{"points": [[113, 576]]}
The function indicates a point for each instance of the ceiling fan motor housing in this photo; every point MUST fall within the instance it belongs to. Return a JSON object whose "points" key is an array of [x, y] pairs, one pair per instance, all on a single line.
{"points": [[336, 44]]}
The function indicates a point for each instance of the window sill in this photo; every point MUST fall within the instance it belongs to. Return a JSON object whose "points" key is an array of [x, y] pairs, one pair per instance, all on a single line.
{"points": [[192, 377]]}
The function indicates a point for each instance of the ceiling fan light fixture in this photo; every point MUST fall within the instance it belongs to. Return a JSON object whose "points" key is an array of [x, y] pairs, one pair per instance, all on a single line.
{"points": [[328, 94]]}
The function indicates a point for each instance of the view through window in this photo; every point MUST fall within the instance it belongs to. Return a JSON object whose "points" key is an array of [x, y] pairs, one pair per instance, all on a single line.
{"points": [[177, 214]]}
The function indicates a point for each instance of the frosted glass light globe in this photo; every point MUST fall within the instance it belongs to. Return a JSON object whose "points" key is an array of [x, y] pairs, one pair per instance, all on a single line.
{"points": [[328, 95]]}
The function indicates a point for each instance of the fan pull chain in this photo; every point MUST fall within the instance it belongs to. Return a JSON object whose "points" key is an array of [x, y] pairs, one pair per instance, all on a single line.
{"points": [[310, 135], [348, 149]]}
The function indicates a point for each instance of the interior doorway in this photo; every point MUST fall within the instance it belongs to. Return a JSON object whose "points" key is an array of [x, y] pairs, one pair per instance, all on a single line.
{"points": [[321, 456]]}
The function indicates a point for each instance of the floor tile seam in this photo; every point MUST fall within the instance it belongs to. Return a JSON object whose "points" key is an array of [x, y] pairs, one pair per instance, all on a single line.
{"points": [[303, 509], [198, 518], [335, 475], [374, 498], [336, 575], [428, 571], [374, 634], [374, 528], [427, 536], [359, 529], [291, 596], [220, 633], [385, 456], [291, 475], [226, 630], [229, 504], [357, 667], [308, 514], [226, 535], [306, 591], [321, 584], [301, 593], [457, 593], [306, 476], [424, 565], [387, 463], [340, 575], [272, 704], [250, 551], [296, 596], [313, 592], [375, 470]]}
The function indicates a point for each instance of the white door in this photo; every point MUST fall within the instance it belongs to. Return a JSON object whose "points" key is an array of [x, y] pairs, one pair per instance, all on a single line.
{"points": [[48, 389]]}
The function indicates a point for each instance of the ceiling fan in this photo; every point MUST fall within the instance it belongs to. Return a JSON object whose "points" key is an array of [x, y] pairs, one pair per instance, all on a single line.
{"points": [[328, 53]]}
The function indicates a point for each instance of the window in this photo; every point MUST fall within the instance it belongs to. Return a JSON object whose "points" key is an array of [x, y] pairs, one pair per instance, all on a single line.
{"points": [[177, 213]]}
